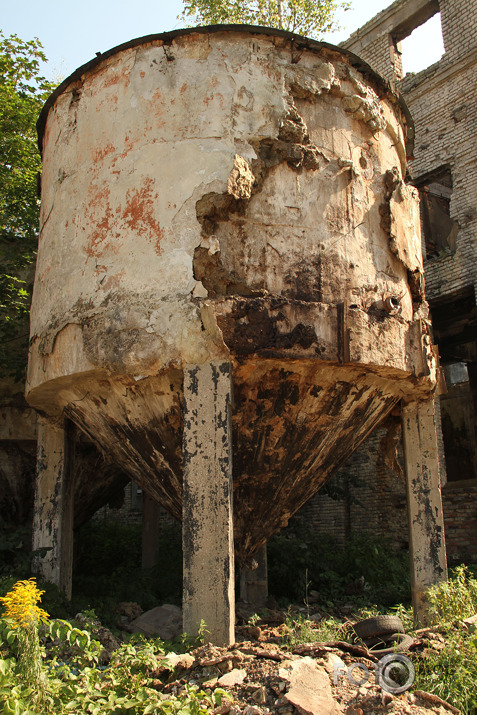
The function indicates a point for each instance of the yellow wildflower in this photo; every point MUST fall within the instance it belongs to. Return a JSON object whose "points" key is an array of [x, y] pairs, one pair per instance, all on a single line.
{"points": [[20, 604]]}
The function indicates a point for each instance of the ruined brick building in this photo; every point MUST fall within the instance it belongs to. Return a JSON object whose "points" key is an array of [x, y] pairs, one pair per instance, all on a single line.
{"points": [[443, 102]]}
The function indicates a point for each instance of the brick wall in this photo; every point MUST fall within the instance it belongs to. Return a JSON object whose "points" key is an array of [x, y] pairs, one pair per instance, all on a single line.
{"points": [[444, 107], [375, 502], [378, 503], [458, 20], [460, 518]]}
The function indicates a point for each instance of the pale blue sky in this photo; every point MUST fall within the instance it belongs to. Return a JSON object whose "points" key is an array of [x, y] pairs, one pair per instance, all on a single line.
{"points": [[72, 33]]}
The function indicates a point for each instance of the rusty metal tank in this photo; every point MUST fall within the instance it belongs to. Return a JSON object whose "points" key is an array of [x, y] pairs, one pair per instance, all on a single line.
{"points": [[228, 193]]}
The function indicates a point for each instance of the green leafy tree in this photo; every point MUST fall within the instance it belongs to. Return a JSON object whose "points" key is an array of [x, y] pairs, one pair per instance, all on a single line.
{"points": [[307, 17], [22, 94]]}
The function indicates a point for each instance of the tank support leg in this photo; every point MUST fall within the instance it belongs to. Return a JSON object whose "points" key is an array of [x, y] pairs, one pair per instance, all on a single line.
{"points": [[426, 523], [54, 503], [207, 527], [254, 580]]}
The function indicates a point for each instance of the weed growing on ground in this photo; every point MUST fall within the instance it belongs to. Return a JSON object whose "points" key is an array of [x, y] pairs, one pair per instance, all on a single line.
{"points": [[331, 629], [300, 629], [72, 681], [453, 599], [451, 671]]}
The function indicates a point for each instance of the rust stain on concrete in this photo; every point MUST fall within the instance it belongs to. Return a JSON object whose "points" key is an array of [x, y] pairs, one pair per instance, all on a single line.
{"points": [[99, 154], [99, 215], [139, 213]]}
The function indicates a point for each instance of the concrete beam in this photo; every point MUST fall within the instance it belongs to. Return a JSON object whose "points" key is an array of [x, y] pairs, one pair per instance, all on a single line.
{"points": [[426, 523], [398, 20], [207, 527], [54, 503], [254, 580]]}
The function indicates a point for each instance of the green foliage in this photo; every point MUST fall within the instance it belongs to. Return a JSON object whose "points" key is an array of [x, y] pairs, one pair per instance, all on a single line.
{"points": [[298, 630], [332, 629], [308, 17], [107, 566], [453, 599], [300, 559], [71, 643], [15, 554], [107, 569], [22, 93], [74, 683], [451, 672], [15, 564], [186, 642]]}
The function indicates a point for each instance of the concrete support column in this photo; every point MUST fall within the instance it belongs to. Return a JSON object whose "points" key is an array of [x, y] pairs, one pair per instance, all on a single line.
{"points": [[54, 503], [254, 580], [150, 530], [207, 527], [426, 523]]}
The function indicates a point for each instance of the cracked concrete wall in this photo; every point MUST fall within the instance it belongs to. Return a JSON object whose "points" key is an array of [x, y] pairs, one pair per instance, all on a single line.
{"points": [[228, 195]]}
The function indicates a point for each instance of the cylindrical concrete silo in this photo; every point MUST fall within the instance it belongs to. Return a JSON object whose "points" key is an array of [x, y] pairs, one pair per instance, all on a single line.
{"points": [[228, 195]]}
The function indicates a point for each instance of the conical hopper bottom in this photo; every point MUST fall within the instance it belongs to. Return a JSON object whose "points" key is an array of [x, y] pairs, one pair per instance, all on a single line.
{"points": [[294, 423]]}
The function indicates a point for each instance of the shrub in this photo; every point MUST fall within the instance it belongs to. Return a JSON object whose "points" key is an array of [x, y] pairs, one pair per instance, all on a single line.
{"points": [[72, 682], [300, 559]]}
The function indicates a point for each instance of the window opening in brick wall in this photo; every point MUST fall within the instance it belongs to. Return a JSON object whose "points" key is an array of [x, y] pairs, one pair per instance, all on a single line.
{"points": [[458, 426], [422, 47], [454, 319], [439, 230], [136, 497]]}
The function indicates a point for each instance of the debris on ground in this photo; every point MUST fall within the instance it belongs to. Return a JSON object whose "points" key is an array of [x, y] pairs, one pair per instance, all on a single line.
{"points": [[264, 674]]}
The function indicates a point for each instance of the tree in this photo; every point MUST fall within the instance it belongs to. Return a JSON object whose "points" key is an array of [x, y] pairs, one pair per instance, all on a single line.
{"points": [[22, 94], [307, 17]]}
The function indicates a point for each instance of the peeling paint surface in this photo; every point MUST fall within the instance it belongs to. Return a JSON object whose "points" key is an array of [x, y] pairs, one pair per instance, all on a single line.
{"points": [[221, 198], [426, 520]]}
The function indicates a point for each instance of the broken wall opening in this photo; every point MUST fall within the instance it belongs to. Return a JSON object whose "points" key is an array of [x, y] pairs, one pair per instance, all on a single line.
{"points": [[422, 28], [455, 328], [428, 35], [439, 229]]}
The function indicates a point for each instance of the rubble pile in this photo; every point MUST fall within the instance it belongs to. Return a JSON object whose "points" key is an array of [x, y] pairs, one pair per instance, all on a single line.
{"points": [[263, 678], [264, 674]]}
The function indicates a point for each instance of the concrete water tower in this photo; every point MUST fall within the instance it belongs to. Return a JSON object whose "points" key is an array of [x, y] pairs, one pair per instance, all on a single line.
{"points": [[229, 291]]}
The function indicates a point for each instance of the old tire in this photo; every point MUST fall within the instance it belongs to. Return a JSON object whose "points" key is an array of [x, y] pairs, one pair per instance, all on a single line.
{"points": [[378, 626], [396, 643]]}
